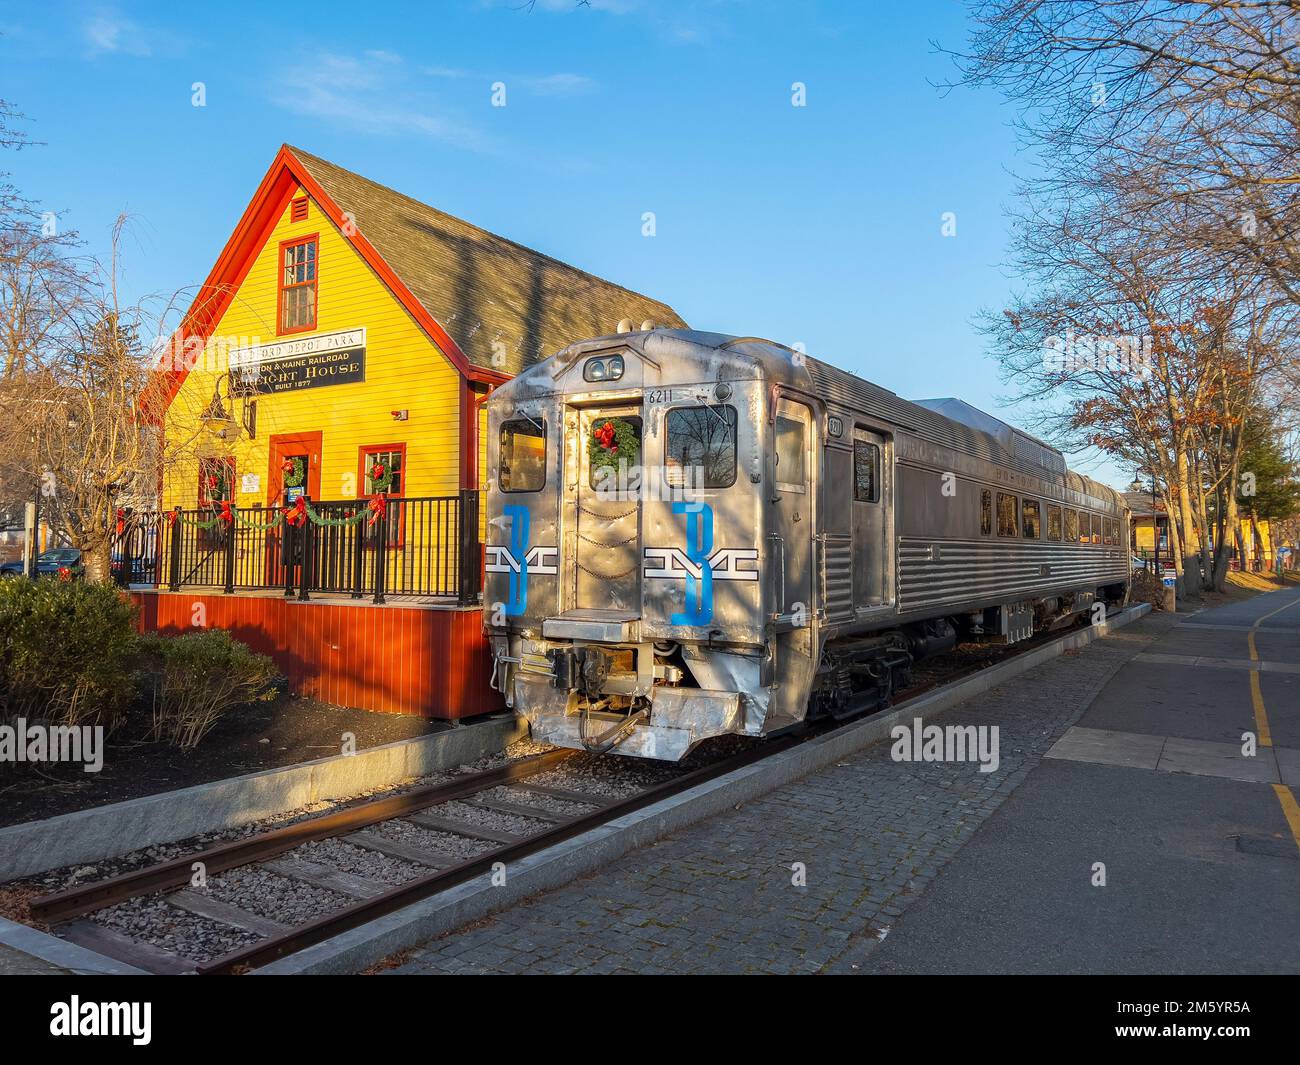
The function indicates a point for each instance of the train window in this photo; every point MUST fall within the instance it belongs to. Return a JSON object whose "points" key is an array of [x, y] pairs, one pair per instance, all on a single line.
{"points": [[986, 512], [1072, 525], [1006, 514], [1053, 522], [1096, 528], [790, 448], [1085, 527], [522, 465], [1031, 519], [1110, 530], [866, 472], [701, 448]]}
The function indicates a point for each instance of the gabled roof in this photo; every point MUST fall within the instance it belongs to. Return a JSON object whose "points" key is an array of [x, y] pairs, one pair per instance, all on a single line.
{"points": [[474, 293], [481, 287]]}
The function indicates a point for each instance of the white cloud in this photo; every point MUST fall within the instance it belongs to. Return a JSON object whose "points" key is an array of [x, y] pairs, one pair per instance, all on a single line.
{"points": [[109, 32], [560, 85], [369, 94]]}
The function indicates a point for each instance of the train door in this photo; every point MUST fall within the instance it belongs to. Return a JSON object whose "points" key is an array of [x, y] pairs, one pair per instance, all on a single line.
{"points": [[872, 535], [792, 526], [604, 497]]}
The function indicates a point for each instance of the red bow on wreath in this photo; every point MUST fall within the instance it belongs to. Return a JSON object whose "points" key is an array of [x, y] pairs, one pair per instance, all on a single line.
{"points": [[378, 508], [287, 465], [171, 517], [120, 527], [226, 515], [605, 436], [297, 514], [377, 471]]}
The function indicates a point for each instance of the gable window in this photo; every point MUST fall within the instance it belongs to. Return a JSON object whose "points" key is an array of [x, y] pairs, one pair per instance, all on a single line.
{"points": [[1031, 519], [298, 285], [1006, 514], [298, 210], [1053, 522], [986, 512]]}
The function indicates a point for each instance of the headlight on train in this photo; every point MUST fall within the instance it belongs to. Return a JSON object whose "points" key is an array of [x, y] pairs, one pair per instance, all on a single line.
{"points": [[609, 368]]}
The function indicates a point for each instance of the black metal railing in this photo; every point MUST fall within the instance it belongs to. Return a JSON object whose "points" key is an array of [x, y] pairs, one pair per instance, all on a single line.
{"points": [[423, 546]]}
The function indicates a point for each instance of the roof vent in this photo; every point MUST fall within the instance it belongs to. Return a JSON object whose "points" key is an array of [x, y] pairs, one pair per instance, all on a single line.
{"points": [[647, 326], [298, 213], [624, 325]]}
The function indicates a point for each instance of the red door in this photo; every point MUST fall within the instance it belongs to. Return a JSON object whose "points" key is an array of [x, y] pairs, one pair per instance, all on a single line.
{"points": [[304, 447]]}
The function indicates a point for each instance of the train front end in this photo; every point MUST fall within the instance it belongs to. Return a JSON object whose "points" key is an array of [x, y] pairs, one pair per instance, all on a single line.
{"points": [[623, 598]]}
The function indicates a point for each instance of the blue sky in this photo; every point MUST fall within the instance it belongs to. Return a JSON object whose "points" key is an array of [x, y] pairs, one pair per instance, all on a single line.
{"points": [[818, 224]]}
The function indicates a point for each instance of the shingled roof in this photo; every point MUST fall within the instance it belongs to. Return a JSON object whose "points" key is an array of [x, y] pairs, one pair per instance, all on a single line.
{"points": [[481, 287]]}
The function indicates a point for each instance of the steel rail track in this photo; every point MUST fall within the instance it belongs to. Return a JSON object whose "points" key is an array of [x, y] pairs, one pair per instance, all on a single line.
{"points": [[368, 910], [72, 902]]}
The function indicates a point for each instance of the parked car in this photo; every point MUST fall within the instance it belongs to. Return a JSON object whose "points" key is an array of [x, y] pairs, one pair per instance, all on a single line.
{"points": [[48, 563], [1166, 568]]}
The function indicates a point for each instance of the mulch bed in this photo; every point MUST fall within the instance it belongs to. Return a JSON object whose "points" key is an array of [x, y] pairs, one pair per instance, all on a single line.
{"points": [[262, 736]]}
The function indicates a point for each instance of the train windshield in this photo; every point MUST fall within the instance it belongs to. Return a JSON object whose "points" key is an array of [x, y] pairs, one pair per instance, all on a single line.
{"points": [[701, 448]]}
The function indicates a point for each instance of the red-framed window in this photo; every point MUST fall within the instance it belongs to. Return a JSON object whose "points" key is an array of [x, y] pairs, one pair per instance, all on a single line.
{"points": [[392, 457], [299, 269], [216, 480]]}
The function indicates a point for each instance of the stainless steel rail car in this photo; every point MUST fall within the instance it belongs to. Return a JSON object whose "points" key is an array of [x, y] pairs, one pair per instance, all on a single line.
{"points": [[693, 535]]}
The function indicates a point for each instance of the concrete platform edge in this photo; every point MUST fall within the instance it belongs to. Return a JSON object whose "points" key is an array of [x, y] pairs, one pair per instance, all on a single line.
{"points": [[59, 952], [119, 828]]}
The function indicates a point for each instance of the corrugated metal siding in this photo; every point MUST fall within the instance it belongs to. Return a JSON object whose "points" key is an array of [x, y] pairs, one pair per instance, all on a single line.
{"points": [[967, 570]]}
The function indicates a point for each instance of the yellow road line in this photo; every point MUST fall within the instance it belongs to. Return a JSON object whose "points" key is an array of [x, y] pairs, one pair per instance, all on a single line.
{"points": [[1290, 809], [1261, 717]]}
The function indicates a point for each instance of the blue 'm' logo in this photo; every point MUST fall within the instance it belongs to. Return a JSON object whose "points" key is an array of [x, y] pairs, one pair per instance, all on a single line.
{"points": [[517, 600], [699, 545]]}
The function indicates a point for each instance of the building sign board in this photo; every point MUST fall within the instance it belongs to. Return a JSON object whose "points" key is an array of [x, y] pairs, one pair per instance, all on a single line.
{"points": [[301, 362]]}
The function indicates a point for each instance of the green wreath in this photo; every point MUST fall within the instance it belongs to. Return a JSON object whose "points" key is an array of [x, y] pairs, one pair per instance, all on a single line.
{"points": [[381, 477], [613, 441], [218, 483], [293, 477]]}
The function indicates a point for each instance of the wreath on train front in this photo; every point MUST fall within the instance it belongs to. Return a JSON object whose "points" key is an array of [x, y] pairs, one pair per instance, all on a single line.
{"points": [[613, 441]]}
